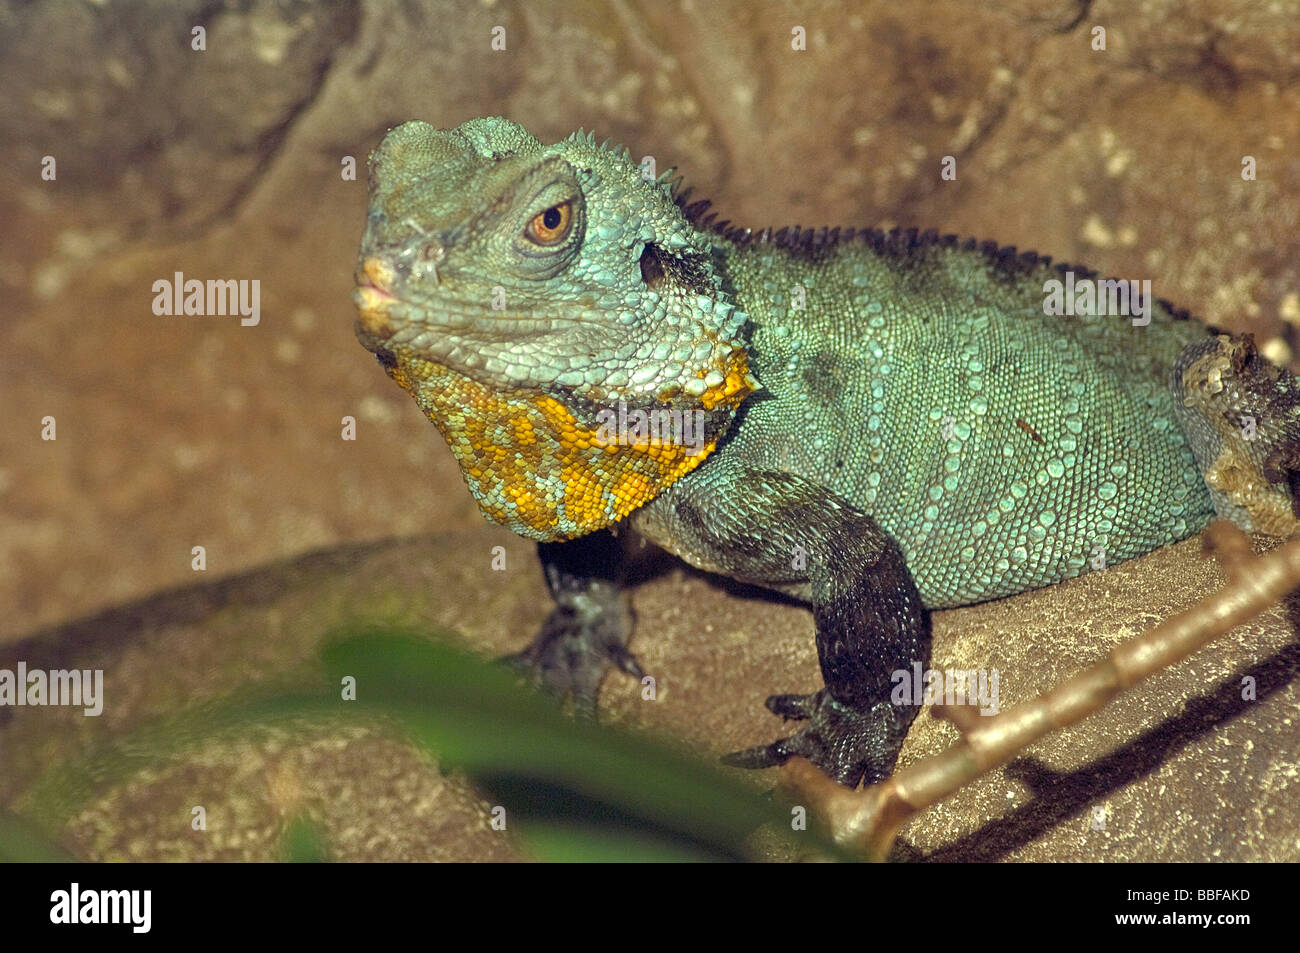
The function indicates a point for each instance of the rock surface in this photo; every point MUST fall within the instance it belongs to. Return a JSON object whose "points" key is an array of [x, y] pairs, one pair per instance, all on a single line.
{"points": [[1180, 768]]}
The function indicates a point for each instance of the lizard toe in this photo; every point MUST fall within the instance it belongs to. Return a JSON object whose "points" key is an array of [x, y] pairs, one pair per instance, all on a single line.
{"points": [[764, 756], [793, 707]]}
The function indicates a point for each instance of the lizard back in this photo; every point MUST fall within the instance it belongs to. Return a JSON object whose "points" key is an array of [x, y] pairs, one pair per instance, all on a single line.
{"points": [[919, 378]]}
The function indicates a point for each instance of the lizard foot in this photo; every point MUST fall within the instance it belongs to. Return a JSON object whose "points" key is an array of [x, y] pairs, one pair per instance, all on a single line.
{"points": [[849, 744], [574, 650]]}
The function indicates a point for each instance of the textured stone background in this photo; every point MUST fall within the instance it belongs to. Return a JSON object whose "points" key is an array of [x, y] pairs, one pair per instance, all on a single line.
{"points": [[175, 432]]}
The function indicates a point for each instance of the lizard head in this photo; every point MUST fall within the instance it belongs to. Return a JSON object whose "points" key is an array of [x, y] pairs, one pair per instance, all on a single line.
{"points": [[526, 295]]}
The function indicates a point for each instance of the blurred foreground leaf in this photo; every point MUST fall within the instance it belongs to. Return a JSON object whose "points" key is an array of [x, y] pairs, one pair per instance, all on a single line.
{"points": [[23, 842], [569, 789], [303, 842]]}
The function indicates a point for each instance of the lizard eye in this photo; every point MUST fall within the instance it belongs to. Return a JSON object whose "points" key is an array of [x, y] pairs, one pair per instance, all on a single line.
{"points": [[551, 226]]}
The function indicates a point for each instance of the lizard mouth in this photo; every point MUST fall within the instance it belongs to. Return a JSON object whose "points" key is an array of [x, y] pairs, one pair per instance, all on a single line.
{"points": [[373, 296], [376, 275]]}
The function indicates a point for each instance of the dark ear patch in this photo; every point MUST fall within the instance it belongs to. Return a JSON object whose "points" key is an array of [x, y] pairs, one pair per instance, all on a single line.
{"points": [[652, 266], [688, 272], [386, 358]]}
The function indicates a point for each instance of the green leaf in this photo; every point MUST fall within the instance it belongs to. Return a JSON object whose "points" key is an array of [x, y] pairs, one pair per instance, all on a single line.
{"points": [[572, 790], [23, 842], [303, 842]]}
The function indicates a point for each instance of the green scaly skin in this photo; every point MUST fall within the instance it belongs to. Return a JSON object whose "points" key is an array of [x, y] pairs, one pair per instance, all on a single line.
{"points": [[894, 422]]}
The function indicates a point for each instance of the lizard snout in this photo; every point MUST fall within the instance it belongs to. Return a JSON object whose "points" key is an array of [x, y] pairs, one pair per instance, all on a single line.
{"points": [[373, 295]]}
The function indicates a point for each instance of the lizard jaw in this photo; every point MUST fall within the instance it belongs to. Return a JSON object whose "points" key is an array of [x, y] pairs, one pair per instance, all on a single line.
{"points": [[372, 312], [373, 297]]}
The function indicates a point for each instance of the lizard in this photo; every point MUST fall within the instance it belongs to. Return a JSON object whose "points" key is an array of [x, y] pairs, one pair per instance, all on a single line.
{"points": [[888, 423]]}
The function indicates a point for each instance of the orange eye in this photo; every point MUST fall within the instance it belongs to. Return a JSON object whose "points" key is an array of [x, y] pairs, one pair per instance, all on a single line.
{"points": [[550, 227]]}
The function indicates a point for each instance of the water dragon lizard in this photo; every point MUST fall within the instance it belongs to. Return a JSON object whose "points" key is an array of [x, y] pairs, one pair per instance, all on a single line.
{"points": [[888, 422]]}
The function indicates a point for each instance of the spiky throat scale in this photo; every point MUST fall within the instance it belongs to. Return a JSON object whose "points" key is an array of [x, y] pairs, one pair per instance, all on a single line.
{"points": [[534, 468]]}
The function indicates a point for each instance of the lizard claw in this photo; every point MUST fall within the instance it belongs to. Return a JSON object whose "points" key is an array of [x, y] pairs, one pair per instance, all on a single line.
{"points": [[768, 756], [793, 707], [625, 661], [847, 743]]}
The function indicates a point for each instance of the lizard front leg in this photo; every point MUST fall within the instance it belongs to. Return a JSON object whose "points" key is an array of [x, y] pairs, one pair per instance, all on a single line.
{"points": [[589, 627], [781, 531]]}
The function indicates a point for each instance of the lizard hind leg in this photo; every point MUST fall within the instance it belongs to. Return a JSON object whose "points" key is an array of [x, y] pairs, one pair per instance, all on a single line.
{"points": [[1241, 415]]}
